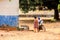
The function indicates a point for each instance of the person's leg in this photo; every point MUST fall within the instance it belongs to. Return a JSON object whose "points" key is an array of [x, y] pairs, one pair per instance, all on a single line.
{"points": [[35, 29], [40, 28], [44, 29]]}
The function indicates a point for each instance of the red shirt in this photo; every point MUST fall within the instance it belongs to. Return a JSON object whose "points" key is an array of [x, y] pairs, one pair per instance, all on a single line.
{"points": [[35, 23]]}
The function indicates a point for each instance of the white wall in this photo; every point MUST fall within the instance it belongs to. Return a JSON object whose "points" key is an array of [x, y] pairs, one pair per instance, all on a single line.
{"points": [[9, 7]]}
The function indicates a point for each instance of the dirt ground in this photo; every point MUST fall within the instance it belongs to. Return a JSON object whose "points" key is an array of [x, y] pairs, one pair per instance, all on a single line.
{"points": [[52, 33]]}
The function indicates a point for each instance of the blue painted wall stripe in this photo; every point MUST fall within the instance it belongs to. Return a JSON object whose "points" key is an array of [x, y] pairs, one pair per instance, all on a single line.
{"points": [[9, 20]]}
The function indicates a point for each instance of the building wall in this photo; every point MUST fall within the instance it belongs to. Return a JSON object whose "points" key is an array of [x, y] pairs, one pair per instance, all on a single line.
{"points": [[9, 11]]}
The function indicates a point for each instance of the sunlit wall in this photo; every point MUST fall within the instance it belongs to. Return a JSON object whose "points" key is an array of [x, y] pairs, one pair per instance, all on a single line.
{"points": [[9, 11]]}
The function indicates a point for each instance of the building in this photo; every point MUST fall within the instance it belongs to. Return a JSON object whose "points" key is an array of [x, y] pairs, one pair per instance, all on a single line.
{"points": [[9, 11]]}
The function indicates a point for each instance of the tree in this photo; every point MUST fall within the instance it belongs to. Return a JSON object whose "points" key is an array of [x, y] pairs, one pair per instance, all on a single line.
{"points": [[23, 5], [52, 4], [27, 5], [32, 5]]}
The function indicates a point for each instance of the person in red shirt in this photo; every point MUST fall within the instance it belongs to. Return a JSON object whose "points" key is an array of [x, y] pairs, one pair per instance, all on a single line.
{"points": [[36, 24]]}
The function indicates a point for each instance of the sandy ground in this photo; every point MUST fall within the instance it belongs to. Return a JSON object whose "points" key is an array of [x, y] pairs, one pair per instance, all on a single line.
{"points": [[52, 33]]}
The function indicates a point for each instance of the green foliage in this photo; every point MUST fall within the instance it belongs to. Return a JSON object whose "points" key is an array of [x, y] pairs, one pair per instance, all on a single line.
{"points": [[59, 7], [53, 20], [9, 0], [32, 5], [27, 5], [59, 1], [18, 28], [23, 5]]}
